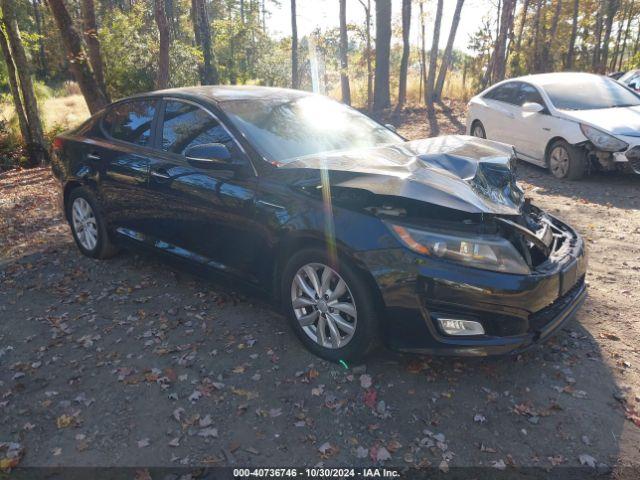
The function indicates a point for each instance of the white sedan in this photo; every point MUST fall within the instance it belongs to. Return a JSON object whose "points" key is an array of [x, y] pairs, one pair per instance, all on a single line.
{"points": [[571, 123]]}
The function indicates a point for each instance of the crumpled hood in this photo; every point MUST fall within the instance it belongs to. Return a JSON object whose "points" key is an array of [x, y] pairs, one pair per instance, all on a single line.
{"points": [[619, 121], [460, 172]]}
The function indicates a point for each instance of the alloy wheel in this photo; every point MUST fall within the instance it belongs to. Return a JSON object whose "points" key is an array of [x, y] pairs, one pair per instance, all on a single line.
{"points": [[559, 161], [323, 305], [84, 223]]}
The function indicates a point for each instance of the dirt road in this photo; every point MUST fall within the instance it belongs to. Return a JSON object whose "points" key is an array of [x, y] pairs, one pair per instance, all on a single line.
{"points": [[134, 362]]}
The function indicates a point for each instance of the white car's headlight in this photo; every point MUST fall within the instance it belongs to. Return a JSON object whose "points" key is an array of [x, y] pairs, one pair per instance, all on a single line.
{"points": [[488, 252], [603, 140]]}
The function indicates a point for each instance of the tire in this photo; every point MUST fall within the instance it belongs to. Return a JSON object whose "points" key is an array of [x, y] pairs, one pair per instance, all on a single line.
{"points": [[477, 129], [566, 161], [365, 318], [88, 225]]}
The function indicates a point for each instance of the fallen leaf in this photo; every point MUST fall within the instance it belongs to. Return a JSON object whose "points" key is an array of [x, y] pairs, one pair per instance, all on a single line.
{"points": [[383, 455], [208, 432], [143, 443], [64, 421], [587, 460]]}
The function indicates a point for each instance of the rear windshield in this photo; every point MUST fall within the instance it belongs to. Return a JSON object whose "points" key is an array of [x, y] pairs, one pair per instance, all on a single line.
{"points": [[591, 94]]}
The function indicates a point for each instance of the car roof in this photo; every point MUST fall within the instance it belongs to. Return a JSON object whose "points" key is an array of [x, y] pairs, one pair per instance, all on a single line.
{"points": [[542, 79], [224, 93]]}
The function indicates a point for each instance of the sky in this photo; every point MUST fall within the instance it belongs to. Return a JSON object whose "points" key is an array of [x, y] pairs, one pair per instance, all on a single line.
{"points": [[325, 14]]}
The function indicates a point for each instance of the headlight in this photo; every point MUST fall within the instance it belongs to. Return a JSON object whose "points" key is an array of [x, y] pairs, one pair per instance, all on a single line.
{"points": [[603, 140], [488, 252]]}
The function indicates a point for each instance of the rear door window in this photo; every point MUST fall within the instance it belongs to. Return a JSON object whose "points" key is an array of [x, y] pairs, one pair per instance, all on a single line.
{"points": [[131, 122], [507, 92]]}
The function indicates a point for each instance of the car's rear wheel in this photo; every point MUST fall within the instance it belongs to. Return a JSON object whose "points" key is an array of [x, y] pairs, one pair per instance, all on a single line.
{"points": [[88, 225], [477, 129], [566, 161], [331, 308]]}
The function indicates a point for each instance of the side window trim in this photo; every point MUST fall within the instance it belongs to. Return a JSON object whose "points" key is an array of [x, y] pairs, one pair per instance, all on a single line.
{"points": [[160, 125], [152, 129], [493, 90]]}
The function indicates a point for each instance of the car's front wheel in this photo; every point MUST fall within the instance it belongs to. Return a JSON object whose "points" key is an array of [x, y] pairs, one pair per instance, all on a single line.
{"points": [[331, 308], [566, 161], [88, 225]]}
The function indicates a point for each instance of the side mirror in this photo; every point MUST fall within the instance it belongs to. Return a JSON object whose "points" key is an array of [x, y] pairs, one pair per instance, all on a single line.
{"points": [[208, 154], [391, 127], [532, 107]]}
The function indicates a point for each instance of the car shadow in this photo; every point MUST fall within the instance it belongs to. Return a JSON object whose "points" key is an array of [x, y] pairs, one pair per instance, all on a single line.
{"points": [[616, 189]]}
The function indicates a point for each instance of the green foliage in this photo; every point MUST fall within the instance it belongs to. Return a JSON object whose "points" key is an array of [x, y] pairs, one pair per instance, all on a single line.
{"points": [[130, 49]]}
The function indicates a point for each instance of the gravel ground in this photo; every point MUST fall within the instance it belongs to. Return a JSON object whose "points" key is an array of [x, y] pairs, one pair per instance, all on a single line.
{"points": [[134, 362]]}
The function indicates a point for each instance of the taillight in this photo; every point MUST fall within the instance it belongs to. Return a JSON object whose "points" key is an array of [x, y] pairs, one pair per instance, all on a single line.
{"points": [[57, 143]]}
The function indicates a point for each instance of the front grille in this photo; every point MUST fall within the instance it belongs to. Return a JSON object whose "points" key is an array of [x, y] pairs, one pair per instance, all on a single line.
{"points": [[633, 155], [542, 318]]}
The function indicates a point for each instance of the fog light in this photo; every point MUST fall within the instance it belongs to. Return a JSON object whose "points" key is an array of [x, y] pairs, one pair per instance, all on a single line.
{"points": [[452, 326]]}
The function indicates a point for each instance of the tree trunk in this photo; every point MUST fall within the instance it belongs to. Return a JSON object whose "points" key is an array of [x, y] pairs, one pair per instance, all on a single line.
{"points": [[616, 50], [500, 49], [80, 67], [423, 50], [344, 61], [636, 46], [448, 52], [367, 13], [15, 92], [536, 38], [523, 19], [574, 34], [381, 97], [404, 62], [37, 15], [202, 30], [295, 83], [433, 57], [597, 38], [612, 8], [93, 44], [162, 80], [547, 57], [626, 34], [36, 149]]}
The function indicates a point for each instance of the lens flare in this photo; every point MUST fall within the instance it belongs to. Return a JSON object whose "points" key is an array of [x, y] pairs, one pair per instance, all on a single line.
{"points": [[329, 228]]}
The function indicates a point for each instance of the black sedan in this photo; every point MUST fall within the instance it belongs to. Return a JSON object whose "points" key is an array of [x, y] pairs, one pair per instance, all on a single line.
{"points": [[360, 236]]}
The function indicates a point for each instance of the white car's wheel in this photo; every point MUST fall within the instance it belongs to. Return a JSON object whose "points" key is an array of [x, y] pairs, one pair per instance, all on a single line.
{"points": [[566, 161], [477, 130]]}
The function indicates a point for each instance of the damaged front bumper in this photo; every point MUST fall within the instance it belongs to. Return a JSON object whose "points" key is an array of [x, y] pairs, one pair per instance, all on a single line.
{"points": [[632, 156], [515, 311]]}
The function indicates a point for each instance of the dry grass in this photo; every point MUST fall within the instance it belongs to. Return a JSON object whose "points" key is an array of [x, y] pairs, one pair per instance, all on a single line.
{"points": [[59, 113], [453, 89]]}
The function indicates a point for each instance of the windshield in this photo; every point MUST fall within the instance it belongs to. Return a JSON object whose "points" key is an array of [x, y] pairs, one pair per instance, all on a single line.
{"points": [[629, 75], [285, 128], [582, 94]]}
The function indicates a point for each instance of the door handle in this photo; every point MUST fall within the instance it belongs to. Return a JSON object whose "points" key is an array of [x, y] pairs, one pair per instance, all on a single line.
{"points": [[93, 156], [160, 174]]}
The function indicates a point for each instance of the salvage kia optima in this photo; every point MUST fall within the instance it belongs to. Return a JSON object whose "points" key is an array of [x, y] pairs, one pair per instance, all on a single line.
{"points": [[360, 236]]}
